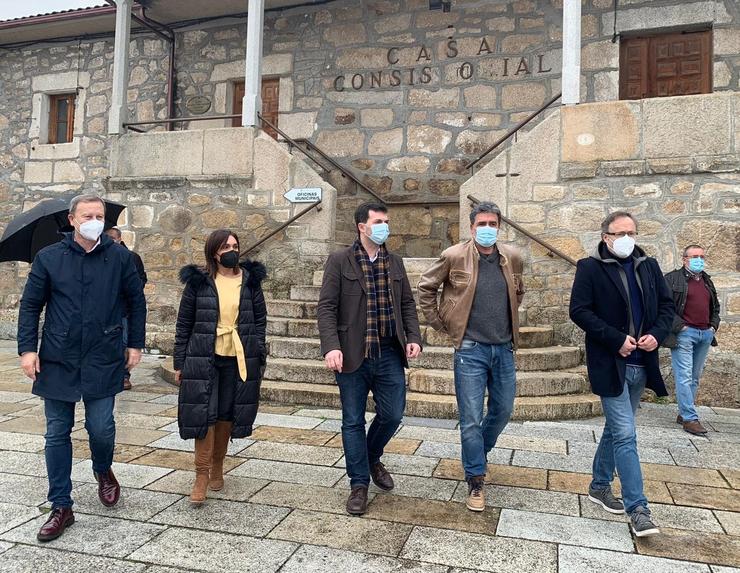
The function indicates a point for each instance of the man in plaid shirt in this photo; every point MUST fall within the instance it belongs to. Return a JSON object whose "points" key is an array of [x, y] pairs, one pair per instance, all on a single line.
{"points": [[369, 329]]}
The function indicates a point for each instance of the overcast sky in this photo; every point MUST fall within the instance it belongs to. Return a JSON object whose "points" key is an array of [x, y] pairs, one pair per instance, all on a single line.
{"points": [[19, 8]]}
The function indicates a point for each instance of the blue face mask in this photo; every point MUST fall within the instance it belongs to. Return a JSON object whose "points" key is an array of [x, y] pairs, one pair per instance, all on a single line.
{"points": [[379, 233], [696, 265], [486, 236]]}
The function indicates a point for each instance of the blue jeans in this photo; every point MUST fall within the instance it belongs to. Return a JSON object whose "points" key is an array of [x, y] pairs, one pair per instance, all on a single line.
{"points": [[385, 378], [618, 444], [688, 360], [60, 419], [479, 367]]}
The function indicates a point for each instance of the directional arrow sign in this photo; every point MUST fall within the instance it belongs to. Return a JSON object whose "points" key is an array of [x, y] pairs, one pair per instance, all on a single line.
{"points": [[303, 195]]}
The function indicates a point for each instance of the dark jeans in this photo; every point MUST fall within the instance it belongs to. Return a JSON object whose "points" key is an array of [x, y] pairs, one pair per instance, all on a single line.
{"points": [[221, 400], [101, 429], [385, 378]]}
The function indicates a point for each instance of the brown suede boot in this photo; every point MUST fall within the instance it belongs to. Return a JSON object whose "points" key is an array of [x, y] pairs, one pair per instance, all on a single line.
{"points": [[203, 457], [220, 445]]}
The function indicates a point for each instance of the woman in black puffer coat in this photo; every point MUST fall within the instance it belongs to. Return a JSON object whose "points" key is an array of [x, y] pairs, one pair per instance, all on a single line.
{"points": [[219, 355]]}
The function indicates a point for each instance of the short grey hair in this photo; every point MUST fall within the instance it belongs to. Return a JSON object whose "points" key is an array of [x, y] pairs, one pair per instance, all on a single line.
{"points": [[485, 207], [84, 198], [687, 249], [613, 217]]}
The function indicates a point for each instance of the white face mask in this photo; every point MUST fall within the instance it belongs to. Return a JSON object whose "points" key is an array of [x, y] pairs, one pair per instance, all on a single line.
{"points": [[91, 230], [623, 246]]}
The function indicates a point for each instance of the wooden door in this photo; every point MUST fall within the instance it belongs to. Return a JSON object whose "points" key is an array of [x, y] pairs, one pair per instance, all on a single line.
{"points": [[666, 65], [270, 103]]}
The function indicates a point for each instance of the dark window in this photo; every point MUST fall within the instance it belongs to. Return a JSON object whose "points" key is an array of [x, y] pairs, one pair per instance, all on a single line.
{"points": [[61, 118], [665, 65]]}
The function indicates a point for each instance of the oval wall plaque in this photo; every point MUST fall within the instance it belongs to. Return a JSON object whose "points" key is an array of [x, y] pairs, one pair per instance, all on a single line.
{"points": [[198, 105]]}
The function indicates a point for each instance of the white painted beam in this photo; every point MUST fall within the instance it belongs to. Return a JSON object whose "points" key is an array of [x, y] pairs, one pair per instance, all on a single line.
{"points": [[252, 102], [571, 52], [119, 107]]}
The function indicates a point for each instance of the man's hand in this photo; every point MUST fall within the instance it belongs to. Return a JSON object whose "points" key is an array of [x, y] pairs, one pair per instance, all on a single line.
{"points": [[30, 364], [133, 357], [629, 345], [178, 377], [412, 350], [334, 360], [647, 343]]}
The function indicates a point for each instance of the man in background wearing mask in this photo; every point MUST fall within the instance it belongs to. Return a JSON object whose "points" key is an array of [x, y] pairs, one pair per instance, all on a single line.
{"points": [[369, 330], [620, 300], [694, 324], [115, 234], [481, 292], [85, 282]]}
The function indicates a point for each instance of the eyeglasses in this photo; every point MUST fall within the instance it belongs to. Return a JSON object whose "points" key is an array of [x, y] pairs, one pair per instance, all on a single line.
{"points": [[631, 234]]}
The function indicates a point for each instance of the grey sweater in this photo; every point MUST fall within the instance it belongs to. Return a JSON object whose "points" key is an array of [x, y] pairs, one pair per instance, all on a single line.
{"points": [[490, 319]]}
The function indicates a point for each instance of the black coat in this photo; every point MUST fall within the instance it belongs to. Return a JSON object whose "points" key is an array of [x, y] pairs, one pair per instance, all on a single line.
{"points": [[678, 285], [138, 263], [86, 296], [599, 306], [195, 343]]}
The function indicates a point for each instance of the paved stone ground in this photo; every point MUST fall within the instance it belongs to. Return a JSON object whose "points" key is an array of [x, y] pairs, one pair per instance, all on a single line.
{"points": [[282, 507]]}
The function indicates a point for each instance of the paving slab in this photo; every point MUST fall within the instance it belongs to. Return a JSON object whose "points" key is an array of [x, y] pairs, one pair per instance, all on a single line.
{"points": [[128, 475], [709, 455], [179, 460], [496, 474], [25, 559], [172, 441], [433, 449], [283, 421], [414, 486], [12, 397], [141, 407], [93, 534], [579, 431], [655, 491], [564, 529], [433, 434], [431, 513], [646, 454], [580, 464], [535, 500], [126, 435], [297, 453], [479, 552], [572, 559], [429, 422], [342, 532], [732, 477], [666, 515], [676, 474], [23, 463], [15, 408], [333, 425], [300, 496], [26, 490], [123, 453], [144, 421], [730, 521], [312, 559], [26, 425], [221, 515], [395, 446], [214, 552], [134, 504], [292, 435], [288, 472], [323, 413], [170, 399], [702, 496], [692, 546], [415, 465], [13, 514], [235, 488], [4, 546]]}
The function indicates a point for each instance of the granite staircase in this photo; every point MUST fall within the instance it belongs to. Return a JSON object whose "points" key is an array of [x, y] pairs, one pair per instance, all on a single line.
{"points": [[551, 384]]}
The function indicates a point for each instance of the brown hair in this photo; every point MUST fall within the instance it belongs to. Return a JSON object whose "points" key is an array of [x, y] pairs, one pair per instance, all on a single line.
{"points": [[214, 242]]}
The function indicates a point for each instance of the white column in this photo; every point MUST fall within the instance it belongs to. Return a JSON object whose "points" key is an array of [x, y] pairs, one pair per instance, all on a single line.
{"points": [[252, 102], [118, 108], [571, 52]]}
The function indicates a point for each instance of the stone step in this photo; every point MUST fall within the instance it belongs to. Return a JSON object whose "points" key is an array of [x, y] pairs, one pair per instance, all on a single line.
{"points": [[430, 381], [435, 357], [436, 405], [527, 383], [529, 336]]}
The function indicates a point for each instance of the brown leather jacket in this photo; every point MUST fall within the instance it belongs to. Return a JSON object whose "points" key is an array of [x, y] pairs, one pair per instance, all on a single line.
{"points": [[457, 270], [342, 307]]}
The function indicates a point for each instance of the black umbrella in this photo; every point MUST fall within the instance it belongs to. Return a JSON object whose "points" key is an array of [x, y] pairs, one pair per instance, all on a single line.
{"points": [[41, 226]]}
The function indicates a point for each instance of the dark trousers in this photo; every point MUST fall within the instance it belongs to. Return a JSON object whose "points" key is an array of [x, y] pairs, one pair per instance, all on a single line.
{"points": [[221, 401], [385, 378], [60, 419]]}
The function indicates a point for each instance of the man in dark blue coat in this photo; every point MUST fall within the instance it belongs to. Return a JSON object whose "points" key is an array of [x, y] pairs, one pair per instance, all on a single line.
{"points": [[87, 283], [621, 301]]}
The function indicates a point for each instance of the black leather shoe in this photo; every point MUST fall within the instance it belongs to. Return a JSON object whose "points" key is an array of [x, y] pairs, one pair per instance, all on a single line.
{"points": [[357, 501], [108, 489], [60, 519], [381, 477]]}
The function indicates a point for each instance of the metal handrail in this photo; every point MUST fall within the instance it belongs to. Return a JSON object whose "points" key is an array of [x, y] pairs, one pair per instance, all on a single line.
{"points": [[551, 250], [512, 132], [280, 228]]}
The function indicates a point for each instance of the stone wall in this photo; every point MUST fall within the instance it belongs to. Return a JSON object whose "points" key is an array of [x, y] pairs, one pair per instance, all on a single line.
{"points": [[672, 162]]}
